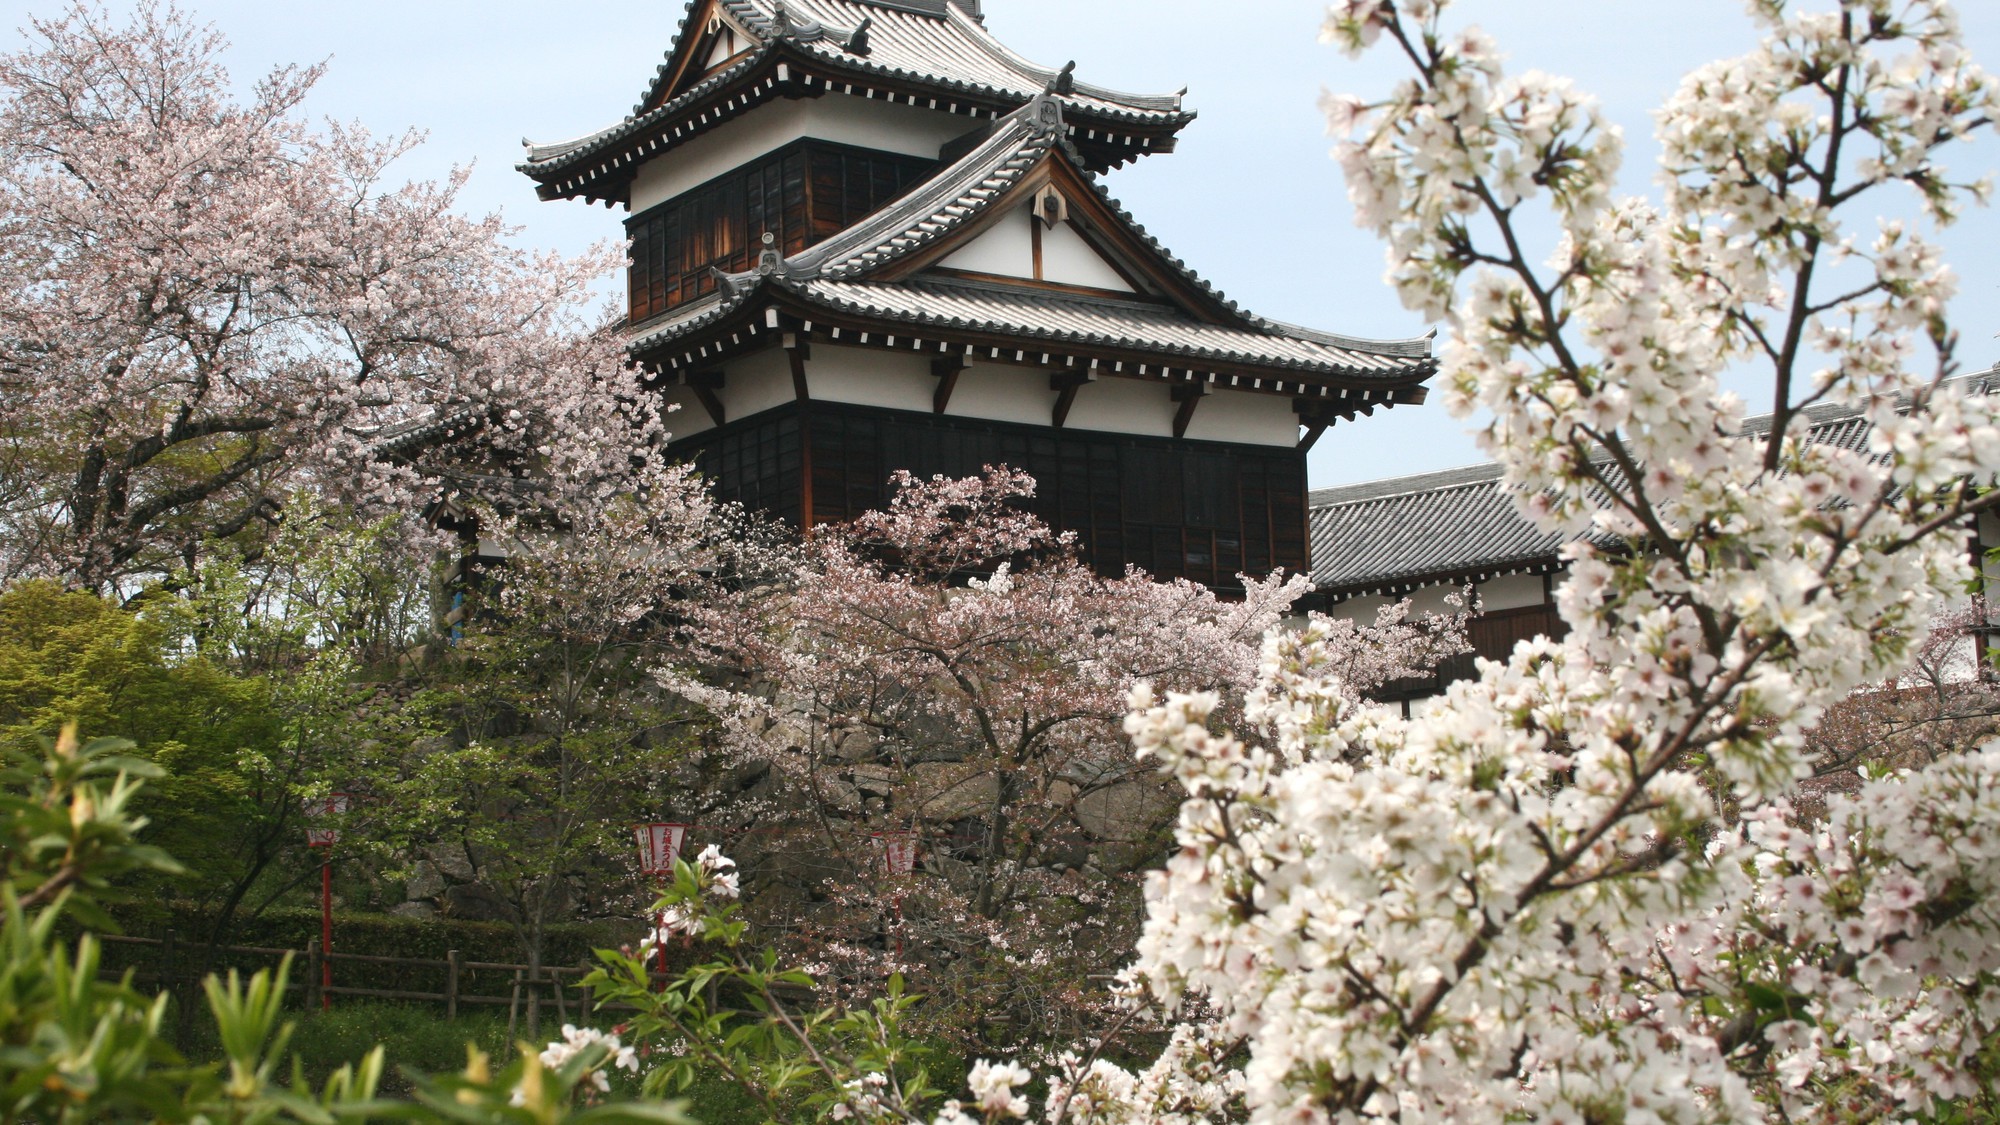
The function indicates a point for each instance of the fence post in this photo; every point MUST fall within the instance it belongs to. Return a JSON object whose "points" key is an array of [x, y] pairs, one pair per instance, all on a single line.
{"points": [[451, 984], [313, 976], [170, 973], [514, 1006], [586, 1001], [562, 1002]]}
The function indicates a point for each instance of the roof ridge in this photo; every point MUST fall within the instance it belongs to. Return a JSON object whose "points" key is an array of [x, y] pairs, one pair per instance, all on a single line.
{"points": [[991, 44], [1465, 476], [538, 154], [936, 281], [1418, 345]]}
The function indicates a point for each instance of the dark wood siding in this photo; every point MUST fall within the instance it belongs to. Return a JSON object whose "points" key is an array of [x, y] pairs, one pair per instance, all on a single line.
{"points": [[801, 194], [1177, 509]]}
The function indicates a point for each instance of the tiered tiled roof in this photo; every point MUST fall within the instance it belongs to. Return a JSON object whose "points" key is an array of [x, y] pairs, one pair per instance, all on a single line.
{"points": [[929, 53], [1463, 525], [843, 278]]}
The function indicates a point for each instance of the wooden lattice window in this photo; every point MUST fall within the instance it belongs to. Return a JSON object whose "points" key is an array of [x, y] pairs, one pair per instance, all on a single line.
{"points": [[801, 194]]}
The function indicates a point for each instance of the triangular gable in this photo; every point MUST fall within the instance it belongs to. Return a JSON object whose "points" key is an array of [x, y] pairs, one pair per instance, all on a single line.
{"points": [[1088, 245], [1025, 245], [710, 37]]}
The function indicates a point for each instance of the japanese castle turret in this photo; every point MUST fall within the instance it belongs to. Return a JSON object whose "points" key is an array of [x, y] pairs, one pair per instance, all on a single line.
{"points": [[866, 237]]}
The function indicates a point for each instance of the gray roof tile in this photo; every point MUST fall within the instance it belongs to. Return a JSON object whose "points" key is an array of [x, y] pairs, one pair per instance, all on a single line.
{"points": [[929, 44], [1403, 532]]}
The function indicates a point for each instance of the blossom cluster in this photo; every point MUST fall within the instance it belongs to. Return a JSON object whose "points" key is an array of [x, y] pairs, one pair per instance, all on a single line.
{"points": [[580, 1041], [996, 1095], [217, 303], [716, 878], [1578, 889]]}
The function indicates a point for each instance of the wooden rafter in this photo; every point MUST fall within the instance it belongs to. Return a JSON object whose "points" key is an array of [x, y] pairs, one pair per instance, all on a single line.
{"points": [[798, 349], [705, 384], [1189, 395], [947, 371], [1067, 384]]}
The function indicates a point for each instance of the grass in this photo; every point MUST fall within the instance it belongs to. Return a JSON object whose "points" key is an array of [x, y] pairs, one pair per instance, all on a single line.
{"points": [[413, 1037]]}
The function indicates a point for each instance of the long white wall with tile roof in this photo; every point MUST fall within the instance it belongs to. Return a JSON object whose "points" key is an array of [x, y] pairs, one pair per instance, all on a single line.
{"points": [[840, 118], [1509, 591]]}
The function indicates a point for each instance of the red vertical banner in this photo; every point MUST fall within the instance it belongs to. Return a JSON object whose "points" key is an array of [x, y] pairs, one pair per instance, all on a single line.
{"points": [[659, 846], [899, 852]]}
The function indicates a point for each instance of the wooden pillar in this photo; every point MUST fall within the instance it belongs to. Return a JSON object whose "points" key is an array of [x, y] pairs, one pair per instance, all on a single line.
{"points": [[798, 349], [805, 467], [514, 1007], [170, 965], [451, 964]]}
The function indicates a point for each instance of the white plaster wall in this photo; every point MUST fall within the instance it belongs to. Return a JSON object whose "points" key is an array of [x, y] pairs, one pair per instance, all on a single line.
{"points": [[989, 391], [757, 383], [1430, 599], [1123, 406], [750, 385], [844, 119], [1513, 591], [1434, 599], [1067, 258], [867, 378], [1361, 610], [1241, 416], [1005, 248], [1003, 394], [691, 418], [726, 46]]}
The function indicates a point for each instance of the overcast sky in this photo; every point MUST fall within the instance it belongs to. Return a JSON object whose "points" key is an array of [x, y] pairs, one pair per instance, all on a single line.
{"points": [[1251, 200]]}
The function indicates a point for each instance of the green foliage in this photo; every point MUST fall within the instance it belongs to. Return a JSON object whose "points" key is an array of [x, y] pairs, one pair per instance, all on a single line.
{"points": [[542, 740], [77, 658], [730, 1020], [75, 1048], [66, 825]]}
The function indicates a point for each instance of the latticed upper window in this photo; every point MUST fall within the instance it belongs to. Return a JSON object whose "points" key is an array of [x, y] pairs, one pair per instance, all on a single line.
{"points": [[801, 194]]}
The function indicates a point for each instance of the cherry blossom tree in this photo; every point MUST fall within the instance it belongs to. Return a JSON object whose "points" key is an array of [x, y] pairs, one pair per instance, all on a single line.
{"points": [[211, 303], [1579, 891], [948, 668]]}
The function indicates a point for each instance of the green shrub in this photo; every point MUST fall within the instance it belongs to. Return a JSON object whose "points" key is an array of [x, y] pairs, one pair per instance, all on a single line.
{"points": [[413, 1035]]}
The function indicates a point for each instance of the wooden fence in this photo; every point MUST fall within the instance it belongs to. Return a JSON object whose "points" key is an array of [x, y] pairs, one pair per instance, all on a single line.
{"points": [[170, 969]]}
